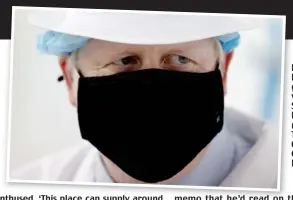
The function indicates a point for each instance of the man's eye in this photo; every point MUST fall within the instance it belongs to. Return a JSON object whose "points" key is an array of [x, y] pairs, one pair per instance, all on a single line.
{"points": [[129, 60], [177, 60]]}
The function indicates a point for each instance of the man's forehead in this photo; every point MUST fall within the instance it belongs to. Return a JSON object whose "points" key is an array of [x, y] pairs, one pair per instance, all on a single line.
{"points": [[112, 47]]}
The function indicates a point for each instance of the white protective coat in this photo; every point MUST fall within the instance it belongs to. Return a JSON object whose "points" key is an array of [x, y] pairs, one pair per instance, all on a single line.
{"points": [[243, 154]]}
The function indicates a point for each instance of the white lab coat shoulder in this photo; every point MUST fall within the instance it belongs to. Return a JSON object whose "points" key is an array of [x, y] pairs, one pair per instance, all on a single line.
{"points": [[258, 166], [74, 163], [243, 130]]}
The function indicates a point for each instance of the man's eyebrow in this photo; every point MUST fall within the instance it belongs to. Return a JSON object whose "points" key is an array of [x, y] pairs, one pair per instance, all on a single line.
{"points": [[173, 51], [184, 51], [122, 54]]}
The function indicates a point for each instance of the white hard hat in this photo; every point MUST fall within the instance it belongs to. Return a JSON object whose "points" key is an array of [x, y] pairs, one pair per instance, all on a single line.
{"points": [[142, 27]]}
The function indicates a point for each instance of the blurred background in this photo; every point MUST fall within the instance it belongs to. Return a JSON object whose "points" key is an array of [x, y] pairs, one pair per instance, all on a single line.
{"points": [[43, 121]]}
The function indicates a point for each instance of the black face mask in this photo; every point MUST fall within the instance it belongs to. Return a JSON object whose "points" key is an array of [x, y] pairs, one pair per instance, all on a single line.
{"points": [[151, 123]]}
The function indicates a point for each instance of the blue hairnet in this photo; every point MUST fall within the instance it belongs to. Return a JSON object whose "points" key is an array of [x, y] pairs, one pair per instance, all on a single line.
{"points": [[229, 41], [60, 44]]}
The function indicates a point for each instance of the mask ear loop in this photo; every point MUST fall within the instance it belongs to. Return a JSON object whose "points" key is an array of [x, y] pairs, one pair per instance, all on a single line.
{"points": [[74, 57], [79, 73], [217, 65]]}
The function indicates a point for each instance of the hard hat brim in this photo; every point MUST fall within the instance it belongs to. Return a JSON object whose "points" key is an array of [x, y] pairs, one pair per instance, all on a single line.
{"points": [[142, 27]]}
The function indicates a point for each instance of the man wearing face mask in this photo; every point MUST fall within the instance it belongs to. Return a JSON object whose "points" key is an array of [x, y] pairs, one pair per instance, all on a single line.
{"points": [[150, 98]]}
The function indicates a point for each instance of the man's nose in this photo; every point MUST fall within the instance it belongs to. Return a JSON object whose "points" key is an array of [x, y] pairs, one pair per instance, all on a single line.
{"points": [[151, 64], [151, 67]]}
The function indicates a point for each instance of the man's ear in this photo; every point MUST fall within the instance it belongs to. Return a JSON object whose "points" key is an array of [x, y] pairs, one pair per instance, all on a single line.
{"points": [[228, 58], [63, 62]]}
